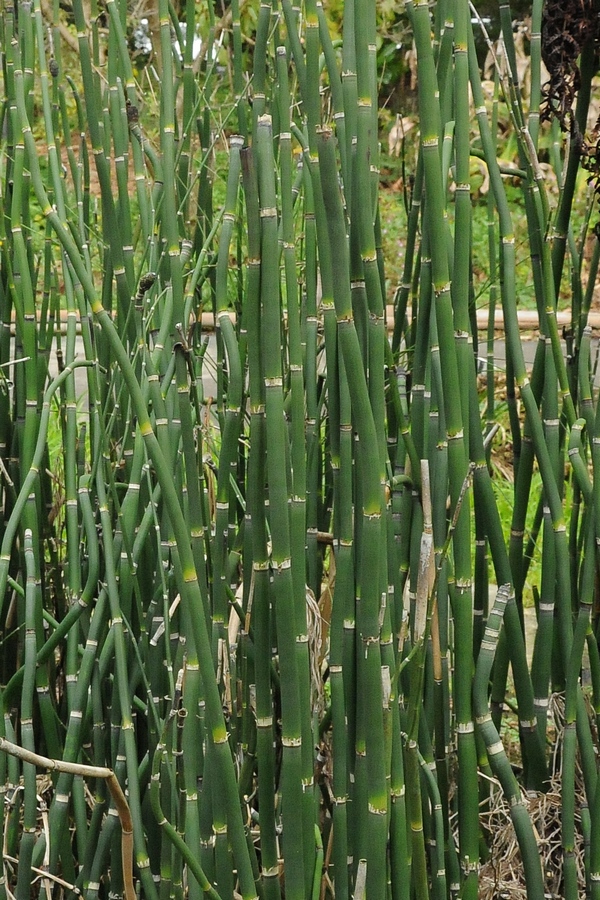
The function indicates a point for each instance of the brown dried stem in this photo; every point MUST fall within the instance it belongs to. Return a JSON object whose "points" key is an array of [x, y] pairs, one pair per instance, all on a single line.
{"points": [[121, 805]]}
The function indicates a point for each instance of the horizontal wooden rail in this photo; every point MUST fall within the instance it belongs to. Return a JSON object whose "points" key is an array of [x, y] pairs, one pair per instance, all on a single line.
{"points": [[528, 319]]}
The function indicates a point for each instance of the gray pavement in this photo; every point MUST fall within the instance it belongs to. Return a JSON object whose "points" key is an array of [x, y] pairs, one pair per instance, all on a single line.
{"points": [[208, 375], [529, 349]]}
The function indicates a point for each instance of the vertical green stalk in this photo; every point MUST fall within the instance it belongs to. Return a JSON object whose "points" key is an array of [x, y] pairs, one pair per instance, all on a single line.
{"points": [[435, 223], [516, 352], [279, 520], [258, 603], [496, 755], [32, 598], [231, 425], [369, 677], [298, 456], [187, 577]]}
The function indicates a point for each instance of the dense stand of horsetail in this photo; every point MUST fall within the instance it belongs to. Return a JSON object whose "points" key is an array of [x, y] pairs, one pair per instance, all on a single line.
{"points": [[251, 640]]}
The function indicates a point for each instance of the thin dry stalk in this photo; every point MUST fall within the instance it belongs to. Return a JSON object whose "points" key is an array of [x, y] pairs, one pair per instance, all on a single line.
{"points": [[122, 807]]}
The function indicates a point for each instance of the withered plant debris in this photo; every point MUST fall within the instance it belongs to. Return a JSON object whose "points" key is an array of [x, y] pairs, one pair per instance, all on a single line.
{"points": [[501, 877], [567, 25]]}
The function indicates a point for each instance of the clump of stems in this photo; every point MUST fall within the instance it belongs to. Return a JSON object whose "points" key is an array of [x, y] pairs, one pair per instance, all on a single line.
{"points": [[249, 527]]}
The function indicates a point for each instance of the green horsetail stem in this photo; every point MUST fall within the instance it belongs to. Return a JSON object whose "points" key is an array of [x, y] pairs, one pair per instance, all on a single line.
{"points": [[231, 425], [173, 835], [297, 454], [258, 597], [516, 354], [189, 586], [496, 754], [455, 419], [205, 702], [32, 597], [293, 786], [369, 584]]}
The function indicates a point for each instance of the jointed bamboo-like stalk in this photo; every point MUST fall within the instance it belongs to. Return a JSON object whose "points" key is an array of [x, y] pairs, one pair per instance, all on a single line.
{"points": [[162, 575]]}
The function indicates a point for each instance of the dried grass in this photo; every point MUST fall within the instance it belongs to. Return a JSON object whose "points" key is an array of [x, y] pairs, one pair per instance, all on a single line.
{"points": [[501, 878]]}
